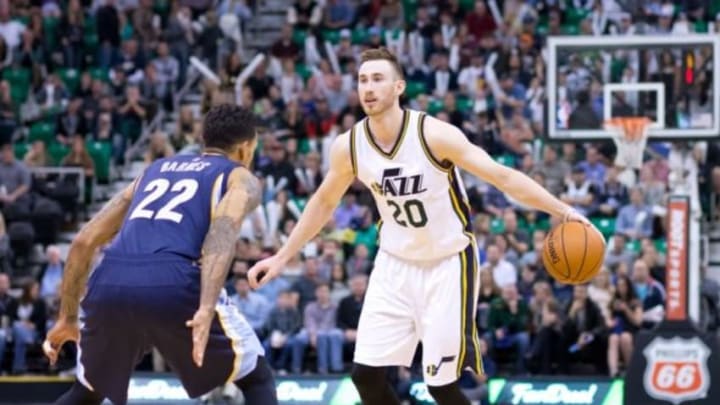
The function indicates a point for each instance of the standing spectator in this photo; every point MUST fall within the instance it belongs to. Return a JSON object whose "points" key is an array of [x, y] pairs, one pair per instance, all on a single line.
{"points": [[72, 25], [29, 317], [284, 47], [320, 331], [168, 68], [254, 307], [283, 323], [635, 219], [508, 321], [480, 22], [338, 14], [180, 36]]}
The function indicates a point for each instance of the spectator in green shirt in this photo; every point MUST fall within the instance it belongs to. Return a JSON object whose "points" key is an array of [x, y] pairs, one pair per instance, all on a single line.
{"points": [[507, 321]]}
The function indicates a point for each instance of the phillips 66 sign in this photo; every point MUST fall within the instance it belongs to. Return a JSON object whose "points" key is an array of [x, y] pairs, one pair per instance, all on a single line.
{"points": [[676, 369]]}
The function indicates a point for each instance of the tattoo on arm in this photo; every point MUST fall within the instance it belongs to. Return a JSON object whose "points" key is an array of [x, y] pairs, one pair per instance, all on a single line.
{"points": [[100, 230], [218, 250]]}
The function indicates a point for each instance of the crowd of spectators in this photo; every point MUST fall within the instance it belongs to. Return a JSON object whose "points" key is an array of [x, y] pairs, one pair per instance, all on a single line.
{"points": [[112, 65]]}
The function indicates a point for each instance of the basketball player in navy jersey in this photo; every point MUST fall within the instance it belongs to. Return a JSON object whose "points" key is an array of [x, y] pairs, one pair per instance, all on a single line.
{"points": [[159, 284]]}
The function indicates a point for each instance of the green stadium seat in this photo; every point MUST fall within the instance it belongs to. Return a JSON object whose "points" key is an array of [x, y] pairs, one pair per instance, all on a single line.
{"points": [[570, 29], [633, 246], [71, 78], [90, 25], [701, 27], [50, 31], [359, 36], [606, 226], [101, 154], [467, 5], [42, 131], [576, 15], [661, 245], [100, 74], [497, 226], [299, 37], [17, 75], [464, 104], [414, 88], [57, 152], [19, 92], [507, 160], [20, 150], [332, 36], [410, 10], [303, 70], [435, 106]]}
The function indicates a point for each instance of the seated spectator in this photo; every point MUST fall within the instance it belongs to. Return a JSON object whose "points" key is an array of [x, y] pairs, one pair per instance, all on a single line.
{"points": [[626, 317], [613, 194], [338, 284], [348, 314], [283, 323], [542, 293], [348, 211], [338, 14], [533, 257], [517, 239], [508, 321], [6, 303], [489, 291], [654, 260], [15, 181], [254, 307], [71, 122], [307, 283], [5, 250], [635, 219], [601, 292], [80, 157], [160, 148], [584, 330], [504, 273], [593, 167], [50, 276], [554, 170], [580, 192], [37, 156], [547, 347], [654, 190], [29, 318], [304, 14], [473, 386], [52, 93], [650, 293], [359, 262], [619, 252], [320, 331]]}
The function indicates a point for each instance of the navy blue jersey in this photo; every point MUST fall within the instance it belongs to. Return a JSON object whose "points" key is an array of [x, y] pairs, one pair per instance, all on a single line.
{"points": [[172, 206]]}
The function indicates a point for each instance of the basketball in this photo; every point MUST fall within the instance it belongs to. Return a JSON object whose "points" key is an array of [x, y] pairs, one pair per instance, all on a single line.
{"points": [[573, 252]]}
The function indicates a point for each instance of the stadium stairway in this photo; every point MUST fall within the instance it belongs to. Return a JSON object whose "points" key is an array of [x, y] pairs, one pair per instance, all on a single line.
{"points": [[265, 25]]}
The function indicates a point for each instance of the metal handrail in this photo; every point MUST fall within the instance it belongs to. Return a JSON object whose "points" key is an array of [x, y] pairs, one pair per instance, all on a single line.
{"points": [[78, 171]]}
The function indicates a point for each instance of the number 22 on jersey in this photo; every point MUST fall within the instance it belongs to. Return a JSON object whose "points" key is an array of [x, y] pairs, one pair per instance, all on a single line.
{"points": [[184, 190]]}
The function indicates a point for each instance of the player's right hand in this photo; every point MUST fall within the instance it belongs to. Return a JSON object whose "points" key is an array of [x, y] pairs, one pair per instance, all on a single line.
{"points": [[62, 332], [264, 271]]}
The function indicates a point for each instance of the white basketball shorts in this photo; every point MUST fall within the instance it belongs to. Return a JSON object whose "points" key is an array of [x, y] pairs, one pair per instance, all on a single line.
{"points": [[435, 303]]}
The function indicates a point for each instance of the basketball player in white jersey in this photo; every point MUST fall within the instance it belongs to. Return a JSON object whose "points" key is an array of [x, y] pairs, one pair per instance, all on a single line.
{"points": [[424, 284]]}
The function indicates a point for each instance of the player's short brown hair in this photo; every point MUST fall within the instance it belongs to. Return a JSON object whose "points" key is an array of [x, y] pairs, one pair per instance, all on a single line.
{"points": [[382, 53]]}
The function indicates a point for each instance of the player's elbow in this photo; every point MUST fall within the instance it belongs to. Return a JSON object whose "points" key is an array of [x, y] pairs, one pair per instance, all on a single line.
{"points": [[83, 241]]}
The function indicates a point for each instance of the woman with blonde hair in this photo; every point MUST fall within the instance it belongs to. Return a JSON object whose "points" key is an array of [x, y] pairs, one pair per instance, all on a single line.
{"points": [[37, 156], [601, 291]]}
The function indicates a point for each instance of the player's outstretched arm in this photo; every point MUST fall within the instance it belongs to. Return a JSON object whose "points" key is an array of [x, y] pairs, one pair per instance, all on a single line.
{"points": [[99, 231], [448, 143], [243, 195], [316, 214]]}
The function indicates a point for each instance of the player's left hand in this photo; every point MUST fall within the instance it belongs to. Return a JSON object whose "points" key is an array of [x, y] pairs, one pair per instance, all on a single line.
{"points": [[200, 325], [62, 332]]}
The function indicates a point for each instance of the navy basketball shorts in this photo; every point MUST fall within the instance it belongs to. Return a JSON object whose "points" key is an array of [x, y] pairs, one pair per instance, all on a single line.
{"points": [[136, 303]]}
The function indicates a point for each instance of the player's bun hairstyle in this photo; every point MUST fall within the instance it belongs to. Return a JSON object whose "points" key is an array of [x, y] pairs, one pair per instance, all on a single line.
{"points": [[227, 125], [382, 53]]}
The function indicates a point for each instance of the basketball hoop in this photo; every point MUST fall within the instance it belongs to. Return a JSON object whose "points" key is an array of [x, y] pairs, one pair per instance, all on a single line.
{"points": [[630, 135]]}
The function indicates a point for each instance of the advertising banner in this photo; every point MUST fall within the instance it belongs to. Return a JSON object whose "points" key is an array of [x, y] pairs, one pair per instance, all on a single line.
{"points": [[531, 391]]}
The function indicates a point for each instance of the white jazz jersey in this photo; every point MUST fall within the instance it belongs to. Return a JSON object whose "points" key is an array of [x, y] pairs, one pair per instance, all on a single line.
{"points": [[423, 207]]}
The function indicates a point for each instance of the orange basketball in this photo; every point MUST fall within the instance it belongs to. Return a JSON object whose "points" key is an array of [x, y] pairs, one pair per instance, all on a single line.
{"points": [[573, 252]]}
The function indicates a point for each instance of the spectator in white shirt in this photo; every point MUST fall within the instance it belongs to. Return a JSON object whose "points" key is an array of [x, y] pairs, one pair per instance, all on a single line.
{"points": [[504, 273]]}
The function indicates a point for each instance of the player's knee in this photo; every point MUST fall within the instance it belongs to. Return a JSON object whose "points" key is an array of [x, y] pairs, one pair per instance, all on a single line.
{"points": [[365, 377], [261, 375]]}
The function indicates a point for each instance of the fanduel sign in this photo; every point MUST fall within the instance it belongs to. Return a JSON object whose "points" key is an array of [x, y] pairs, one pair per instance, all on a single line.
{"points": [[539, 391]]}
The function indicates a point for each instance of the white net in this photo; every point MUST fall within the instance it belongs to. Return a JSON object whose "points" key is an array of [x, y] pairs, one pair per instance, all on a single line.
{"points": [[630, 135]]}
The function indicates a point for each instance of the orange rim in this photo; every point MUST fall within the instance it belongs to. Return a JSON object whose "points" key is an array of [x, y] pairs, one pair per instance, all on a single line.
{"points": [[633, 128]]}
